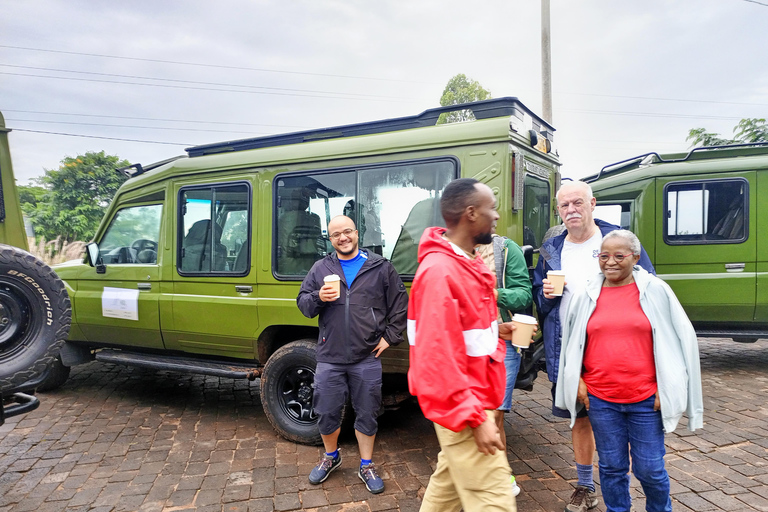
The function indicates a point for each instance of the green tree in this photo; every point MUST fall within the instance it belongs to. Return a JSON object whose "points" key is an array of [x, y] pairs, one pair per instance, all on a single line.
{"points": [[748, 130], [76, 195], [30, 195], [461, 89]]}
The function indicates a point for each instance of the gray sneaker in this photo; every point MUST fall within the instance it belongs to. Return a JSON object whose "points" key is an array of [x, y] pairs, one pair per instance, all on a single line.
{"points": [[581, 500]]}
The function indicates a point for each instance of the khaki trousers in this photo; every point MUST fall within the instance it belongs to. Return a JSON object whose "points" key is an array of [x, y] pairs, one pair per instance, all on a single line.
{"points": [[465, 478]]}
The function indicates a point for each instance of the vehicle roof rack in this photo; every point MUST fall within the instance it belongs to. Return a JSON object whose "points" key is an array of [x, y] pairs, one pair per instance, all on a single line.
{"points": [[499, 107], [133, 170], [654, 157]]}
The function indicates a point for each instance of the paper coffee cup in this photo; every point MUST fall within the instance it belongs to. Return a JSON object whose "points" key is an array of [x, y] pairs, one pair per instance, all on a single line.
{"points": [[524, 325], [334, 281], [557, 278]]}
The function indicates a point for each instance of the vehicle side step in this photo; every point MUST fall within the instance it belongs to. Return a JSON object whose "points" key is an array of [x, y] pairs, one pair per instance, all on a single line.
{"points": [[180, 364], [725, 333]]}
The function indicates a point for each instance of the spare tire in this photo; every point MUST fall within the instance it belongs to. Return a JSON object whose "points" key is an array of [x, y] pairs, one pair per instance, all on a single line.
{"points": [[35, 316]]}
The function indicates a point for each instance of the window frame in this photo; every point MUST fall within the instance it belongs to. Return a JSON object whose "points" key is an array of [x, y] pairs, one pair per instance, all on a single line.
{"points": [[357, 169], [537, 177], [703, 183], [180, 224], [127, 206]]}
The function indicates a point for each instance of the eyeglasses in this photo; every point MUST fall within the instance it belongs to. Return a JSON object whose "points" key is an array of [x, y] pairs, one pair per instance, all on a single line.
{"points": [[604, 256], [347, 232]]}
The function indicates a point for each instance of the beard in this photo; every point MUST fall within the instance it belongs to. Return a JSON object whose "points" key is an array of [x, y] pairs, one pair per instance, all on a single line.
{"points": [[350, 252], [483, 238]]}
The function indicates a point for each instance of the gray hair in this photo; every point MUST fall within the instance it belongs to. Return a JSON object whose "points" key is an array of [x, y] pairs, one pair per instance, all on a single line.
{"points": [[629, 237], [582, 186]]}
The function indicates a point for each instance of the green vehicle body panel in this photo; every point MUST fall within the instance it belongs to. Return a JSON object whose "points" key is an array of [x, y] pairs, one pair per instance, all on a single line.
{"points": [[213, 315], [722, 284]]}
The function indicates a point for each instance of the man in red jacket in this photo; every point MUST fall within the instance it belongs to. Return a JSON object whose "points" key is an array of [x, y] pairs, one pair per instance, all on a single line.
{"points": [[456, 355]]}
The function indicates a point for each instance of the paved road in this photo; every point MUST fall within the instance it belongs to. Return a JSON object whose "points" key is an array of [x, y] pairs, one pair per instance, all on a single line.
{"points": [[122, 439]]}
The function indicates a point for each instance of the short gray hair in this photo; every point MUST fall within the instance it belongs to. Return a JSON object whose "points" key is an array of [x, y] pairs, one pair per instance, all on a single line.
{"points": [[629, 237], [582, 186]]}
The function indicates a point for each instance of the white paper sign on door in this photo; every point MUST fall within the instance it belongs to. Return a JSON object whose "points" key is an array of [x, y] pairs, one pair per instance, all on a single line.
{"points": [[120, 303]]}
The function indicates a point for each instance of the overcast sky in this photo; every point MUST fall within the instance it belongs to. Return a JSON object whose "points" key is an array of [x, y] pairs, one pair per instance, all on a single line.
{"points": [[628, 76]]}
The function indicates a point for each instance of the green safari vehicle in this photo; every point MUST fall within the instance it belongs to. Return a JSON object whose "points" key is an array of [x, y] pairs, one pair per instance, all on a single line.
{"points": [[703, 219], [198, 261]]}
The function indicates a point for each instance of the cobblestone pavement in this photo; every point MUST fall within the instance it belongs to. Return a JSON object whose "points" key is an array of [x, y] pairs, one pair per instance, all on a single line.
{"points": [[123, 439]]}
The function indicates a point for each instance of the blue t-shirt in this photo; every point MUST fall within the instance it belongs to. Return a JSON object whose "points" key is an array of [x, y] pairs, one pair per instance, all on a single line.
{"points": [[352, 267]]}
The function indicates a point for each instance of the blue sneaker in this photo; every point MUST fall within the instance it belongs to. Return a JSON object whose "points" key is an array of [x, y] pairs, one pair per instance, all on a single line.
{"points": [[371, 478], [324, 468]]}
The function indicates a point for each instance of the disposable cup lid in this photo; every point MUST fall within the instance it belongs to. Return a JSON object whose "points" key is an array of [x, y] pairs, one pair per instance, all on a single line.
{"points": [[556, 272], [524, 319], [332, 277]]}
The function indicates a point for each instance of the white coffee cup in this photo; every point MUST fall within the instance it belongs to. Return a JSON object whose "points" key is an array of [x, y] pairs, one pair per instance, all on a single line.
{"points": [[557, 279], [524, 326], [335, 281]]}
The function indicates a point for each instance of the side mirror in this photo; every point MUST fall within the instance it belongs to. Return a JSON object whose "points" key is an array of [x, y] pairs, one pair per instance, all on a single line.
{"points": [[94, 257]]}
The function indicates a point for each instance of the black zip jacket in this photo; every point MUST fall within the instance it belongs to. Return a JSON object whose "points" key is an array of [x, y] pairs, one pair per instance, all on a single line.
{"points": [[351, 326]]}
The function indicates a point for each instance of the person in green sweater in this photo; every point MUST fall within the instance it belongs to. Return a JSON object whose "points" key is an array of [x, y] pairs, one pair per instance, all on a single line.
{"points": [[513, 295]]}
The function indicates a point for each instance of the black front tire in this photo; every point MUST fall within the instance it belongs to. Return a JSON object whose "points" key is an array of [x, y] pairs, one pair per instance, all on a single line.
{"points": [[287, 388], [35, 316]]}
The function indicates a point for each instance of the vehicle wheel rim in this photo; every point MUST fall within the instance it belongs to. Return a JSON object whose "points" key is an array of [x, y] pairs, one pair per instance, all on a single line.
{"points": [[14, 317], [296, 388]]}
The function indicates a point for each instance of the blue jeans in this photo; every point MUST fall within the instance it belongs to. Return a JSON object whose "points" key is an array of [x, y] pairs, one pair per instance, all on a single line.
{"points": [[512, 366], [622, 430]]}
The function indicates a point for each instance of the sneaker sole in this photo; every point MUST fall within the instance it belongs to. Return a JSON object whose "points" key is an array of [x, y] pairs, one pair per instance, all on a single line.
{"points": [[378, 491], [333, 468]]}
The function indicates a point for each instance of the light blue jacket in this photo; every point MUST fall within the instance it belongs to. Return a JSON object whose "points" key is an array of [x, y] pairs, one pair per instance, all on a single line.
{"points": [[675, 350]]}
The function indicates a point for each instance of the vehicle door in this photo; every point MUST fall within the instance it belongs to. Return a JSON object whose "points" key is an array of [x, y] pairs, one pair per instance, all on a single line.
{"points": [[117, 302], [213, 304], [708, 247]]}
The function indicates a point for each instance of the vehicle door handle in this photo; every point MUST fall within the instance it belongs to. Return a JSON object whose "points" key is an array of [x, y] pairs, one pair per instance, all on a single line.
{"points": [[735, 267], [243, 289], [144, 286]]}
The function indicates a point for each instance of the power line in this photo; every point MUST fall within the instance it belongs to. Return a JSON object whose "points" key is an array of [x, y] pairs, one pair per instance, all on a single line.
{"points": [[132, 126], [662, 99], [756, 2], [219, 66], [647, 114], [105, 116], [134, 77], [167, 86], [104, 138]]}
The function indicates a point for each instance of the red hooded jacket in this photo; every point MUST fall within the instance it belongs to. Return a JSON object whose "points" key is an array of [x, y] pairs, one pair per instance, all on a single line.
{"points": [[456, 356]]}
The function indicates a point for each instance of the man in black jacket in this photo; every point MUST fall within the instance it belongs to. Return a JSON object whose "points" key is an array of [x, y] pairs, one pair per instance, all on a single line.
{"points": [[356, 326]]}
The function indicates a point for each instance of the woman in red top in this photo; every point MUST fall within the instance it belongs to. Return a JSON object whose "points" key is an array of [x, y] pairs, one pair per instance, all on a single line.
{"points": [[618, 383]]}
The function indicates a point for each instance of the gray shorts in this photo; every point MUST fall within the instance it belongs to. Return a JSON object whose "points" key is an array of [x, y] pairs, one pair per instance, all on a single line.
{"points": [[565, 413], [334, 383]]}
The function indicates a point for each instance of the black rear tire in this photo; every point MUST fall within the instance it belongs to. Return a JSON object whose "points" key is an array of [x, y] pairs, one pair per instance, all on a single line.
{"points": [[287, 388], [35, 316], [745, 339]]}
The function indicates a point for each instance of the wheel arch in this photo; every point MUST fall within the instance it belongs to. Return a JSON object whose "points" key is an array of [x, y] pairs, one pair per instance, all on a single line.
{"points": [[276, 336]]}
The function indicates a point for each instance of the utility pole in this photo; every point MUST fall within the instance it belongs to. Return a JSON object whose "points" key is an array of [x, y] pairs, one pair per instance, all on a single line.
{"points": [[546, 64]]}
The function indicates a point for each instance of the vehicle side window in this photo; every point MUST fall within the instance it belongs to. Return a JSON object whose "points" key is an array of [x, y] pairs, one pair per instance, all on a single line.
{"points": [[619, 214], [214, 229], [391, 205], [705, 212], [536, 205], [132, 236]]}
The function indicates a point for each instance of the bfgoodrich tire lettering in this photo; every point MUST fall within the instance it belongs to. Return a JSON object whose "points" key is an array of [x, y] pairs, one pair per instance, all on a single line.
{"points": [[35, 317], [287, 390]]}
